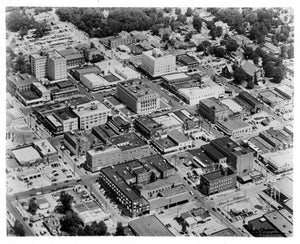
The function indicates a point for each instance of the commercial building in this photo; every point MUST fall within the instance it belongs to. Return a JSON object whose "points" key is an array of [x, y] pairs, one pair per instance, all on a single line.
{"points": [[30, 174], [208, 89], [94, 82], [239, 158], [91, 114], [187, 60], [220, 180], [67, 118], [27, 156], [41, 91], [279, 161], [169, 122], [64, 90], [147, 126], [77, 73], [46, 150], [149, 226], [234, 127], [123, 148], [53, 125], [114, 42], [104, 133], [213, 110], [78, 143], [247, 100], [38, 65], [19, 82], [156, 64], [134, 205], [138, 96], [280, 222], [57, 66], [72, 57], [285, 91], [272, 99], [118, 124], [172, 141]]}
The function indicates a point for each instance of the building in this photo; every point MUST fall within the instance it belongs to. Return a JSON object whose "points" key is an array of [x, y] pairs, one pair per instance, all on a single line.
{"points": [[64, 90], [172, 141], [213, 110], [57, 66], [19, 82], [41, 91], [78, 144], [72, 57], [220, 180], [239, 158], [114, 42], [38, 63], [187, 60], [77, 73], [91, 114], [26, 156], [67, 118], [189, 122], [147, 126], [234, 127], [46, 150], [30, 174], [270, 48], [285, 91], [118, 124], [272, 99], [156, 64], [248, 101], [134, 205], [138, 96], [123, 148], [149, 226], [94, 82], [207, 89], [280, 222], [36, 95]]}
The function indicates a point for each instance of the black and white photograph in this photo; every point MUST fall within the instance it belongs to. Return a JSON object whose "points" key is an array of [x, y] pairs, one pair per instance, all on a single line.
{"points": [[149, 121]]}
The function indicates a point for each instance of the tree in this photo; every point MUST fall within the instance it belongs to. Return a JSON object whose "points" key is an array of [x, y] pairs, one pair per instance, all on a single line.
{"points": [[178, 11], [219, 31], [94, 229], [71, 223], [204, 46], [32, 206], [248, 52], [66, 203], [278, 74], [167, 10], [255, 58], [239, 75], [165, 37], [183, 227], [120, 230], [220, 52], [188, 36], [92, 45], [18, 228], [197, 23], [232, 17], [20, 65], [155, 30], [96, 58], [231, 45], [250, 84], [269, 68], [189, 12]]}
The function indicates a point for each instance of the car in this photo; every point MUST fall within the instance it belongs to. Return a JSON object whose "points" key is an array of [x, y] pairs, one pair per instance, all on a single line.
{"points": [[213, 209]]}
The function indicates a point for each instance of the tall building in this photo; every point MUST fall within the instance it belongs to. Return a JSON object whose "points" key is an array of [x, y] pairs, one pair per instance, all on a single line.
{"points": [[38, 65], [138, 96], [57, 66], [91, 114], [156, 64]]}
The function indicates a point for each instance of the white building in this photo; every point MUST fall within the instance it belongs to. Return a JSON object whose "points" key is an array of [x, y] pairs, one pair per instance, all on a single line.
{"points": [[156, 64], [38, 65], [94, 82], [57, 66], [91, 114], [209, 89]]}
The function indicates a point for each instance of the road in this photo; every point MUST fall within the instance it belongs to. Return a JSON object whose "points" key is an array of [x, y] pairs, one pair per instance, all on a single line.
{"points": [[14, 212]]}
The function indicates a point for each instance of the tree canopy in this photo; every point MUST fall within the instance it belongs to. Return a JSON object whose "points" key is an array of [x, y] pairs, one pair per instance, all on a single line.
{"points": [[18, 228], [66, 203], [120, 230], [32, 206], [231, 45]]}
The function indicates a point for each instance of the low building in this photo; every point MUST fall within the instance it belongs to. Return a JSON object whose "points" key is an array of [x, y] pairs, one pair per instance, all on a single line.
{"points": [[272, 99], [138, 96], [67, 118], [30, 174], [239, 158], [27, 156], [19, 82], [279, 162], [64, 90], [281, 223], [53, 125], [73, 57], [156, 64], [213, 110], [52, 224], [147, 126], [77, 144], [285, 91], [118, 124], [172, 141], [124, 148], [207, 89], [94, 82], [220, 180], [149, 226], [187, 60], [91, 114], [270, 48], [78, 73], [46, 150], [234, 127], [252, 101]]}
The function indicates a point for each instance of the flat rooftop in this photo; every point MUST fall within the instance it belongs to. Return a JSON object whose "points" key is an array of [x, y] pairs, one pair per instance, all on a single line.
{"points": [[26, 154], [186, 59], [214, 104], [235, 124], [218, 174], [137, 87], [162, 182], [267, 229], [45, 147], [280, 222], [230, 146], [213, 152], [96, 80], [169, 120], [158, 162], [110, 78], [149, 226], [29, 95], [177, 76], [271, 96], [128, 141], [202, 156], [65, 84], [64, 114], [177, 136]]}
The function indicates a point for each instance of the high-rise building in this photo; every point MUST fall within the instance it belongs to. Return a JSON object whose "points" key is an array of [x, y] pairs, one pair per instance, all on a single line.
{"points": [[38, 65], [57, 66]]}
